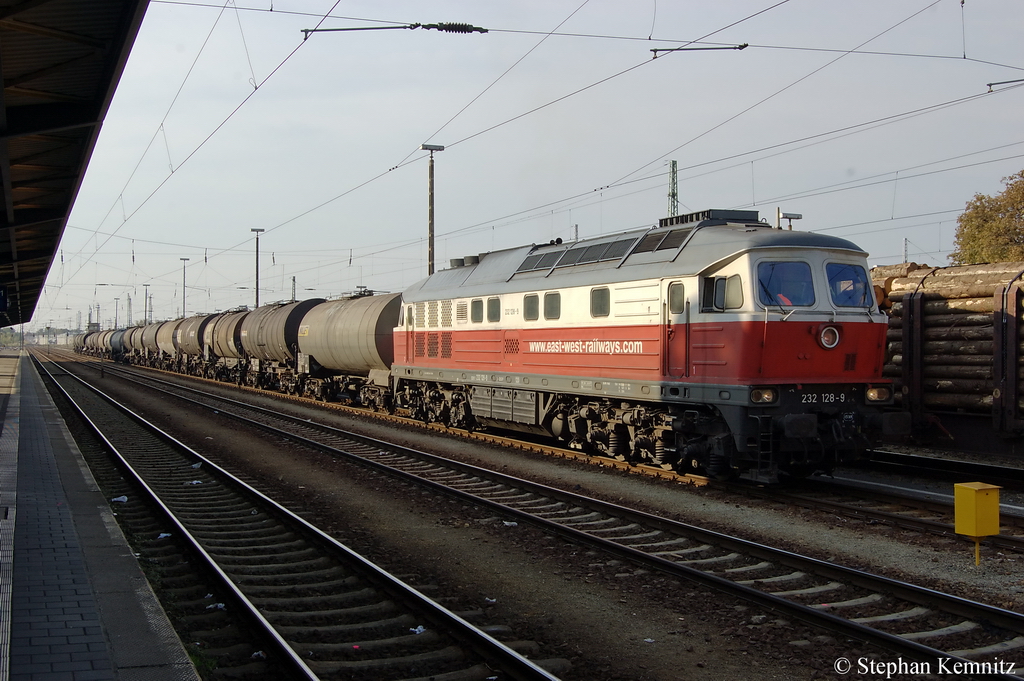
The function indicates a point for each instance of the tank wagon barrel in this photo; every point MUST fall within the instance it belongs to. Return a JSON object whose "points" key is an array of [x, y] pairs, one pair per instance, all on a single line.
{"points": [[190, 334], [117, 343], [167, 337], [271, 332], [224, 334], [149, 337], [352, 335], [133, 339]]}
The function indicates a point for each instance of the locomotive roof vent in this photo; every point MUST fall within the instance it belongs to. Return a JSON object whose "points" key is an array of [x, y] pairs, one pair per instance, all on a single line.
{"points": [[471, 260], [718, 215], [457, 262]]}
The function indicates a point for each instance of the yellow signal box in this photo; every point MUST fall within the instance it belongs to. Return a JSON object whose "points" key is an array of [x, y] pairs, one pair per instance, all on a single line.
{"points": [[976, 510]]}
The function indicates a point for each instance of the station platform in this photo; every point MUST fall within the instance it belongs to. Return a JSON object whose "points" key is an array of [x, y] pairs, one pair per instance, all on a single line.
{"points": [[74, 604]]}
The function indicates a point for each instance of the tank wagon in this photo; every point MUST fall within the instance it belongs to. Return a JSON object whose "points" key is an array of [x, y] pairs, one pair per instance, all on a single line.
{"points": [[709, 342], [350, 337], [222, 340]]}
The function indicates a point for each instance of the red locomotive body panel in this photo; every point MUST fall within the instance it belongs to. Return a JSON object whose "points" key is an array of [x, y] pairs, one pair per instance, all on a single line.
{"points": [[744, 352], [751, 352]]}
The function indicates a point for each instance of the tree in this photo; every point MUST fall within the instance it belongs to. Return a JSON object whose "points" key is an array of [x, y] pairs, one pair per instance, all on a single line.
{"points": [[991, 228]]}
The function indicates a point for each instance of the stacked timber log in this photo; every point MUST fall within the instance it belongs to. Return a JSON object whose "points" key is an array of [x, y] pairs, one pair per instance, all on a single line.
{"points": [[956, 339]]}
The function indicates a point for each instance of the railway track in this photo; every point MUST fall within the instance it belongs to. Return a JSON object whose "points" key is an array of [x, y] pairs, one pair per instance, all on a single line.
{"points": [[916, 622], [323, 611], [915, 464], [918, 512]]}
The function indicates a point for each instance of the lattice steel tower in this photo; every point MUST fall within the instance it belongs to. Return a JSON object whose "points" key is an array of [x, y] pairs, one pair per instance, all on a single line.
{"points": [[673, 190]]}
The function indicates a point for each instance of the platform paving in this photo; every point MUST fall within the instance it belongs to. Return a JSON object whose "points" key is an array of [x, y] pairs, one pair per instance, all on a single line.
{"points": [[74, 604]]}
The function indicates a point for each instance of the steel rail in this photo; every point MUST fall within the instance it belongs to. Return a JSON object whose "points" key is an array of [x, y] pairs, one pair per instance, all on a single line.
{"points": [[511, 662]]}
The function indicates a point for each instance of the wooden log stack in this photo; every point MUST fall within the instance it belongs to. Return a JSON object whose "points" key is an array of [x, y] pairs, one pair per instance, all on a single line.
{"points": [[956, 339]]}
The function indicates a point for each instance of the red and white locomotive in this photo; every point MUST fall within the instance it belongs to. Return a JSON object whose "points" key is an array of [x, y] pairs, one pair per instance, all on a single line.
{"points": [[710, 342]]}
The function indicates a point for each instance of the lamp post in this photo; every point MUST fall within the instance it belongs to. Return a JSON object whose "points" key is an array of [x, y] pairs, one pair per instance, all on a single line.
{"points": [[430, 205], [116, 307], [257, 232], [145, 303], [183, 261]]}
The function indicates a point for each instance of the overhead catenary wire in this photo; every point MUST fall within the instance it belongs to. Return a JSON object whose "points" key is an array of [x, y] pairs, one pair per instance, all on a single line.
{"points": [[623, 185]]}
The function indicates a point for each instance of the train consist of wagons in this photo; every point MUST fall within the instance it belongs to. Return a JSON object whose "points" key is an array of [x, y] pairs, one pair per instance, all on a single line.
{"points": [[710, 342]]}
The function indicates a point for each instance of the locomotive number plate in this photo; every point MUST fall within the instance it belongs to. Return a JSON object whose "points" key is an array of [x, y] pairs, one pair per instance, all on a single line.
{"points": [[827, 397]]}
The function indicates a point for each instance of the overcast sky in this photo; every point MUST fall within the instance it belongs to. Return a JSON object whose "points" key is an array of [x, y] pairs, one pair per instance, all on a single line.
{"points": [[872, 119]]}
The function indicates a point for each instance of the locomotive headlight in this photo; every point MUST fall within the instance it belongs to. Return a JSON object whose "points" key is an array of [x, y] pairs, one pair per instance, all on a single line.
{"points": [[828, 337], [763, 395], [878, 394]]}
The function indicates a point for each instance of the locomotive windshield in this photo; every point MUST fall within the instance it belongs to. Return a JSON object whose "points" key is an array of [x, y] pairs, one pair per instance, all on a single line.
{"points": [[848, 285], [785, 283]]}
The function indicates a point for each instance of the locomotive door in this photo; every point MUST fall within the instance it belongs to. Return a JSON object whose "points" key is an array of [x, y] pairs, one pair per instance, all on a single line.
{"points": [[675, 311]]}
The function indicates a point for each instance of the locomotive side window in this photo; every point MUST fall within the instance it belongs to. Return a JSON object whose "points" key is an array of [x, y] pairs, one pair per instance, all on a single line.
{"points": [[848, 285], [476, 310], [713, 296], [676, 298], [719, 294], [733, 292], [788, 284], [493, 309], [600, 302], [552, 305], [531, 307]]}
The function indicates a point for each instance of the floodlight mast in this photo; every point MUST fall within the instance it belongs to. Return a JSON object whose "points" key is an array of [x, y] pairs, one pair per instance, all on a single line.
{"points": [[430, 204]]}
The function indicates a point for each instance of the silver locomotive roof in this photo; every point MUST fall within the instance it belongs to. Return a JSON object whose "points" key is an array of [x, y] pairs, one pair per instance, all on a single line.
{"points": [[684, 245]]}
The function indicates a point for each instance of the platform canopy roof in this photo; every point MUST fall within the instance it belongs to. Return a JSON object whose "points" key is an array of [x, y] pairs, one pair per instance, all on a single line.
{"points": [[61, 61]]}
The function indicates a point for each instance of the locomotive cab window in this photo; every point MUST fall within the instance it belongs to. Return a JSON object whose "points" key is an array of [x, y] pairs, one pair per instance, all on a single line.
{"points": [[600, 302], [493, 309], [476, 310], [531, 307], [785, 284], [848, 285], [552, 305]]}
